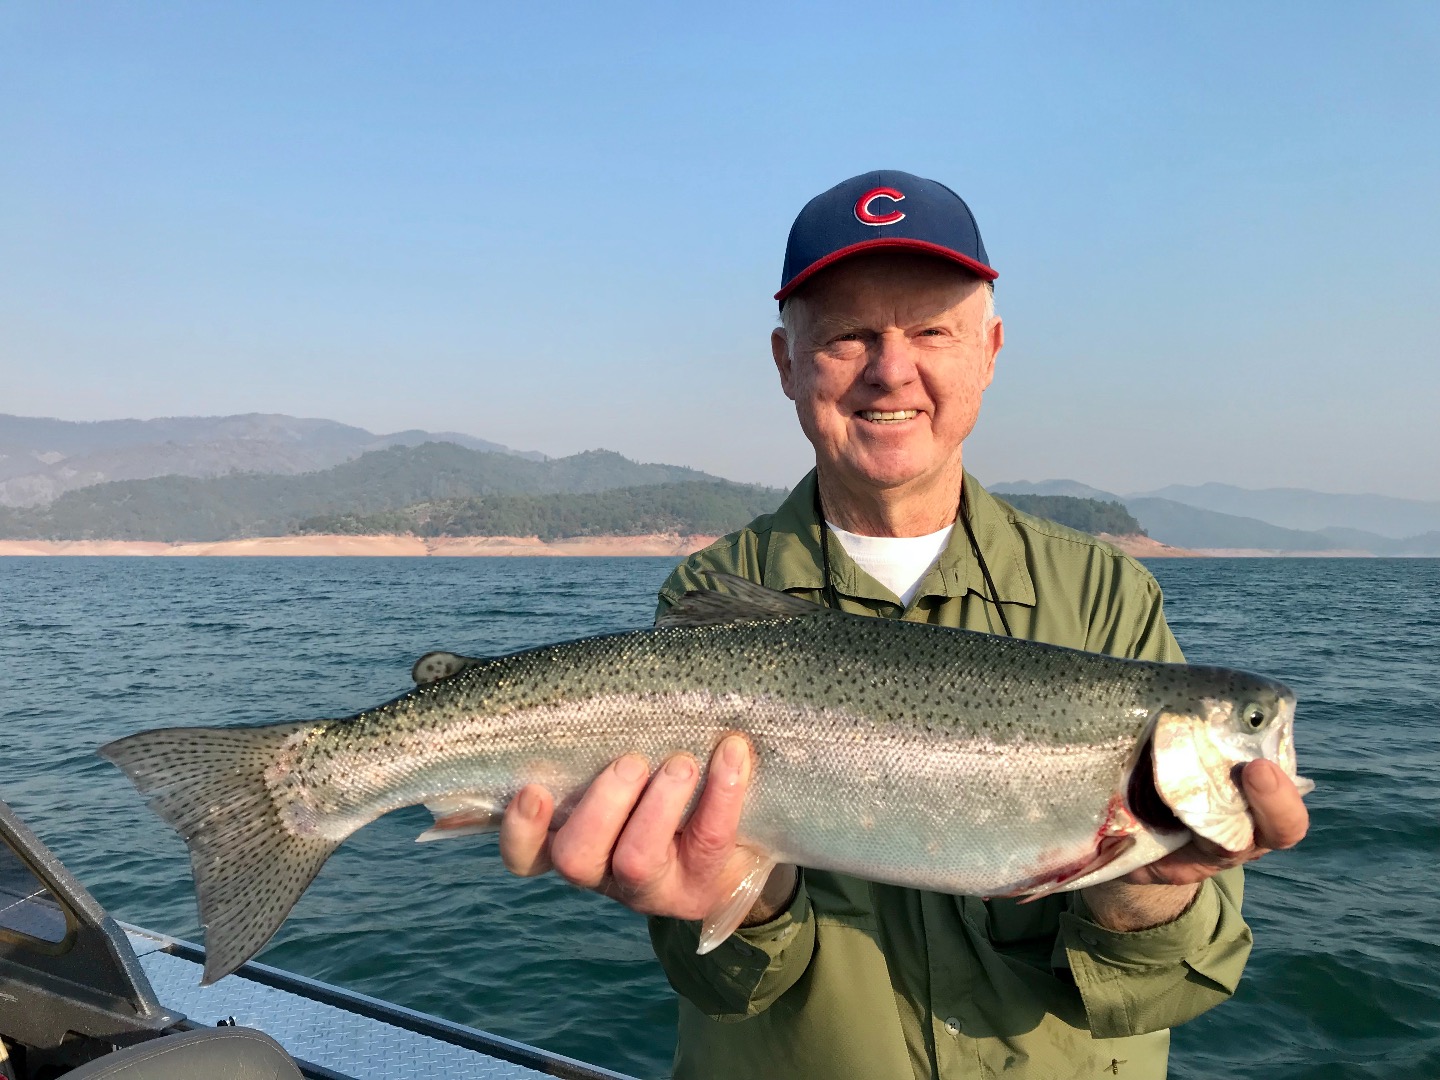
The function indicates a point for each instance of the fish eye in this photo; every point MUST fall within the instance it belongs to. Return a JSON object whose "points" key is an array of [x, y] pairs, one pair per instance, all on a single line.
{"points": [[1254, 716]]}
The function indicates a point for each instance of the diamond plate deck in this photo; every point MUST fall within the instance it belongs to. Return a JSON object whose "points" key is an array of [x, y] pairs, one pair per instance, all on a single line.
{"points": [[346, 1042]]}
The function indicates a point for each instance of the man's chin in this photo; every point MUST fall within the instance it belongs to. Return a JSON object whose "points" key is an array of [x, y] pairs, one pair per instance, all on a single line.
{"points": [[884, 474]]}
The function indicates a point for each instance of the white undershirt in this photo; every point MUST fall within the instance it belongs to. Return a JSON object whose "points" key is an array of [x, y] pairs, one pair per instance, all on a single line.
{"points": [[899, 563]]}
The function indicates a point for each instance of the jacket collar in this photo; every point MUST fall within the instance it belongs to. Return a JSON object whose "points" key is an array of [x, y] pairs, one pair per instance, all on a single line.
{"points": [[793, 560]]}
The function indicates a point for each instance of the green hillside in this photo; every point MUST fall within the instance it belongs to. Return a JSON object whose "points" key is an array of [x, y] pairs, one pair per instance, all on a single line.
{"points": [[261, 504], [1088, 515], [688, 508]]}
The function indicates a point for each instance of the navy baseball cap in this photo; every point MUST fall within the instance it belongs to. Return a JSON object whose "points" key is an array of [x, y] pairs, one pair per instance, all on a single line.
{"points": [[876, 211]]}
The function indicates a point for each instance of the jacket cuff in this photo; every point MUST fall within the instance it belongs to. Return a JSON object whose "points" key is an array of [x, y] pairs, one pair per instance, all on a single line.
{"points": [[748, 970], [1144, 980]]}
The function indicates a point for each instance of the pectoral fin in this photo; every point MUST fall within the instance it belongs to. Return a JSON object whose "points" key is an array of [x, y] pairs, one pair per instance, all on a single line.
{"points": [[726, 919]]}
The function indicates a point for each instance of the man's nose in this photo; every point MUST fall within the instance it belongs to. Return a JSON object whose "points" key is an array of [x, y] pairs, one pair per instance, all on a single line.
{"points": [[892, 361]]}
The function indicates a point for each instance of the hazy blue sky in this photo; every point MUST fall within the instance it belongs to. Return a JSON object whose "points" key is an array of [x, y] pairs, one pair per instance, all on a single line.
{"points": [[559, 226]]}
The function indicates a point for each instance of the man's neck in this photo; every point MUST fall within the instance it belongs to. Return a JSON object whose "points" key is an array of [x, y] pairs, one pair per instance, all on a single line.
{"points": [[905, 511]]}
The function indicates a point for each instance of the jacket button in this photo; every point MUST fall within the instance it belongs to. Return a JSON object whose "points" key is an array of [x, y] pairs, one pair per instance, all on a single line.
{"points": [[952, 1026]]}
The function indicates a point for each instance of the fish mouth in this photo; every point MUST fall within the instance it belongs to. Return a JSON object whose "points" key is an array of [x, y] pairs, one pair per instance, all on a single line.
{"points": [[1143, 796]]}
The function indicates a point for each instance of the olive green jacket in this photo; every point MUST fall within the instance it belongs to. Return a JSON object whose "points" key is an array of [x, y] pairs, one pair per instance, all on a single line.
{"points": [[870, 981]]}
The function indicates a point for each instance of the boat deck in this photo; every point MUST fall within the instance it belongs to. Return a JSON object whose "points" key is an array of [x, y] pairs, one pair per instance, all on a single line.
{"points": [[335, 1034]]}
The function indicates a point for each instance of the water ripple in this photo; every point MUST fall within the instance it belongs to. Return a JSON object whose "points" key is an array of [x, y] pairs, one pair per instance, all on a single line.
{"points": [[1344, 980]]}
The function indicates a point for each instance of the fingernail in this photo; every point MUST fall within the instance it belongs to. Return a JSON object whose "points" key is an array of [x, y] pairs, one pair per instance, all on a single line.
{"points": [[680, 767], [735, 757], [529, 805], [632, 767], [1263, 780]]}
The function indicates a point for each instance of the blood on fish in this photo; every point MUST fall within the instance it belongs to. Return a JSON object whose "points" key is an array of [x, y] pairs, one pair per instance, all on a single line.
{"points": [[1114, 837]]}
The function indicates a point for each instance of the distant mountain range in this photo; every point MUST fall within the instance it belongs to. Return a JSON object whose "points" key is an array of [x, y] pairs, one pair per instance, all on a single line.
{"points": [[41, 459], [1221, 516], [227, 477], [1297, 508], [268, 504]]}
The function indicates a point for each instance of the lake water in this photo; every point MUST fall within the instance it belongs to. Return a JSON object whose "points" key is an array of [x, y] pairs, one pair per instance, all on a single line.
{"points": [[1344, 981]]}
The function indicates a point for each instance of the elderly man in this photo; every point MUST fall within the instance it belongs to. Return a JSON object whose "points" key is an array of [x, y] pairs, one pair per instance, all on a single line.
{"points": [[888, 341]]}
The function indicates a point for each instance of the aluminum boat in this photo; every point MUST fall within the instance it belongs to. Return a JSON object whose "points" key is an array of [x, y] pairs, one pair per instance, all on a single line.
{"points": [[85, 997]]}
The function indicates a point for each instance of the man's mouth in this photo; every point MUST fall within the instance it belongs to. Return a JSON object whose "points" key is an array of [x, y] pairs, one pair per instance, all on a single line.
{"points": [[877, 416]]}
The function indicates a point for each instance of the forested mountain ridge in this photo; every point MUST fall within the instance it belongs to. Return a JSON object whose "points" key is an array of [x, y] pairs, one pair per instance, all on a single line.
{"points": [[690, 508], [240, 505], [694, 508], [1092, 516], [441, 489], [1270, 525], [232, 477]]}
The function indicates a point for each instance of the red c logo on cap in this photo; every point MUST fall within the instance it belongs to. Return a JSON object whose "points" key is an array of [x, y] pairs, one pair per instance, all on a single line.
{"points": [[862, 208]]}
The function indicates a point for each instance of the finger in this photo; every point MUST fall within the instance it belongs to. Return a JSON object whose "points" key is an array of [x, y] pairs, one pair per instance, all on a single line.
{"points": [[1202, 852], [709, 837], [525, 832], [580, 850], [647, 845], [1194, 862], [1281, 819]]}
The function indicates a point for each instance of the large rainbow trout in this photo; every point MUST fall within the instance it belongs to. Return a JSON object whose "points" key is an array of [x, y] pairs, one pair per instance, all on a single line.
{"points": [[900, 752]]}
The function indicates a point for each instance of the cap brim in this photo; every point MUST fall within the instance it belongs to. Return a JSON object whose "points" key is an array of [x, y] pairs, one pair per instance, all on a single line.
{"points": [[892, 243]]}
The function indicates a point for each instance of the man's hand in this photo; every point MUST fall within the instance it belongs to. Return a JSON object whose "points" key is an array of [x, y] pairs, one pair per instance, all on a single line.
{"points": [[1133, 902], [624, 838]]}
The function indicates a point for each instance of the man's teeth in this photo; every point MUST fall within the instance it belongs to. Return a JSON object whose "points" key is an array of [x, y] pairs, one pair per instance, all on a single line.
{"points": [[877, 417]]}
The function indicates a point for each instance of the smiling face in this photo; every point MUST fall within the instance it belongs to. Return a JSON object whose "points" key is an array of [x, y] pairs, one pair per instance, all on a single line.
{"points": [[886, 357]]}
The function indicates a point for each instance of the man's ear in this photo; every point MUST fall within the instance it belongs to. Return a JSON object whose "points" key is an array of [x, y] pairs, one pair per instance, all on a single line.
{"points": [[780, 350], [994, 342]]}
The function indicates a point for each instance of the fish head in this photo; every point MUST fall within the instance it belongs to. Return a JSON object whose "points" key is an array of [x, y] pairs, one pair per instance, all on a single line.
{"points": [[1201, 745]]}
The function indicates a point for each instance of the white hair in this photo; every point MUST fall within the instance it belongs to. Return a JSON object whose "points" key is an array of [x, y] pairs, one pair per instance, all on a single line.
{"points": [[791, 310]]}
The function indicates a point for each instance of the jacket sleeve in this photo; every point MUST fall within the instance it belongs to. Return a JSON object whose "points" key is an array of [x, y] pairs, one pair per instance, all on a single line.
{"points": [[1145, 980], [749, 970]]}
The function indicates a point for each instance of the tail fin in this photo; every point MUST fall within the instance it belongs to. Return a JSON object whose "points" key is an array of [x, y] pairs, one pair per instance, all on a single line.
{"points": [[209, 785]]}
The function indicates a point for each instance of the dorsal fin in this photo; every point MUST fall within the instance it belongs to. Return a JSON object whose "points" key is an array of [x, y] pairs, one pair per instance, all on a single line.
{"points": [[434, 666], [742, 601]]}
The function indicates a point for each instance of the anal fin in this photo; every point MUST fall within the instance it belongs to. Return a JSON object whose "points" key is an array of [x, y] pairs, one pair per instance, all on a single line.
{"points": [[726, 919], [461, 815]]}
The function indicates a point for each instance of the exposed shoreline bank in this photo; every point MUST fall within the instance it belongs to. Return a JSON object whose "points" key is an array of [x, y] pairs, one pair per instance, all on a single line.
{"points": [[653, 544], [1142, 547], [406, 546]]}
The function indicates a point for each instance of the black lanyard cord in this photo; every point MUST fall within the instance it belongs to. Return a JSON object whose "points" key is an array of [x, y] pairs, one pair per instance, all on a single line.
{"points": [[828, 595], [980, 558], [832, 599]]}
